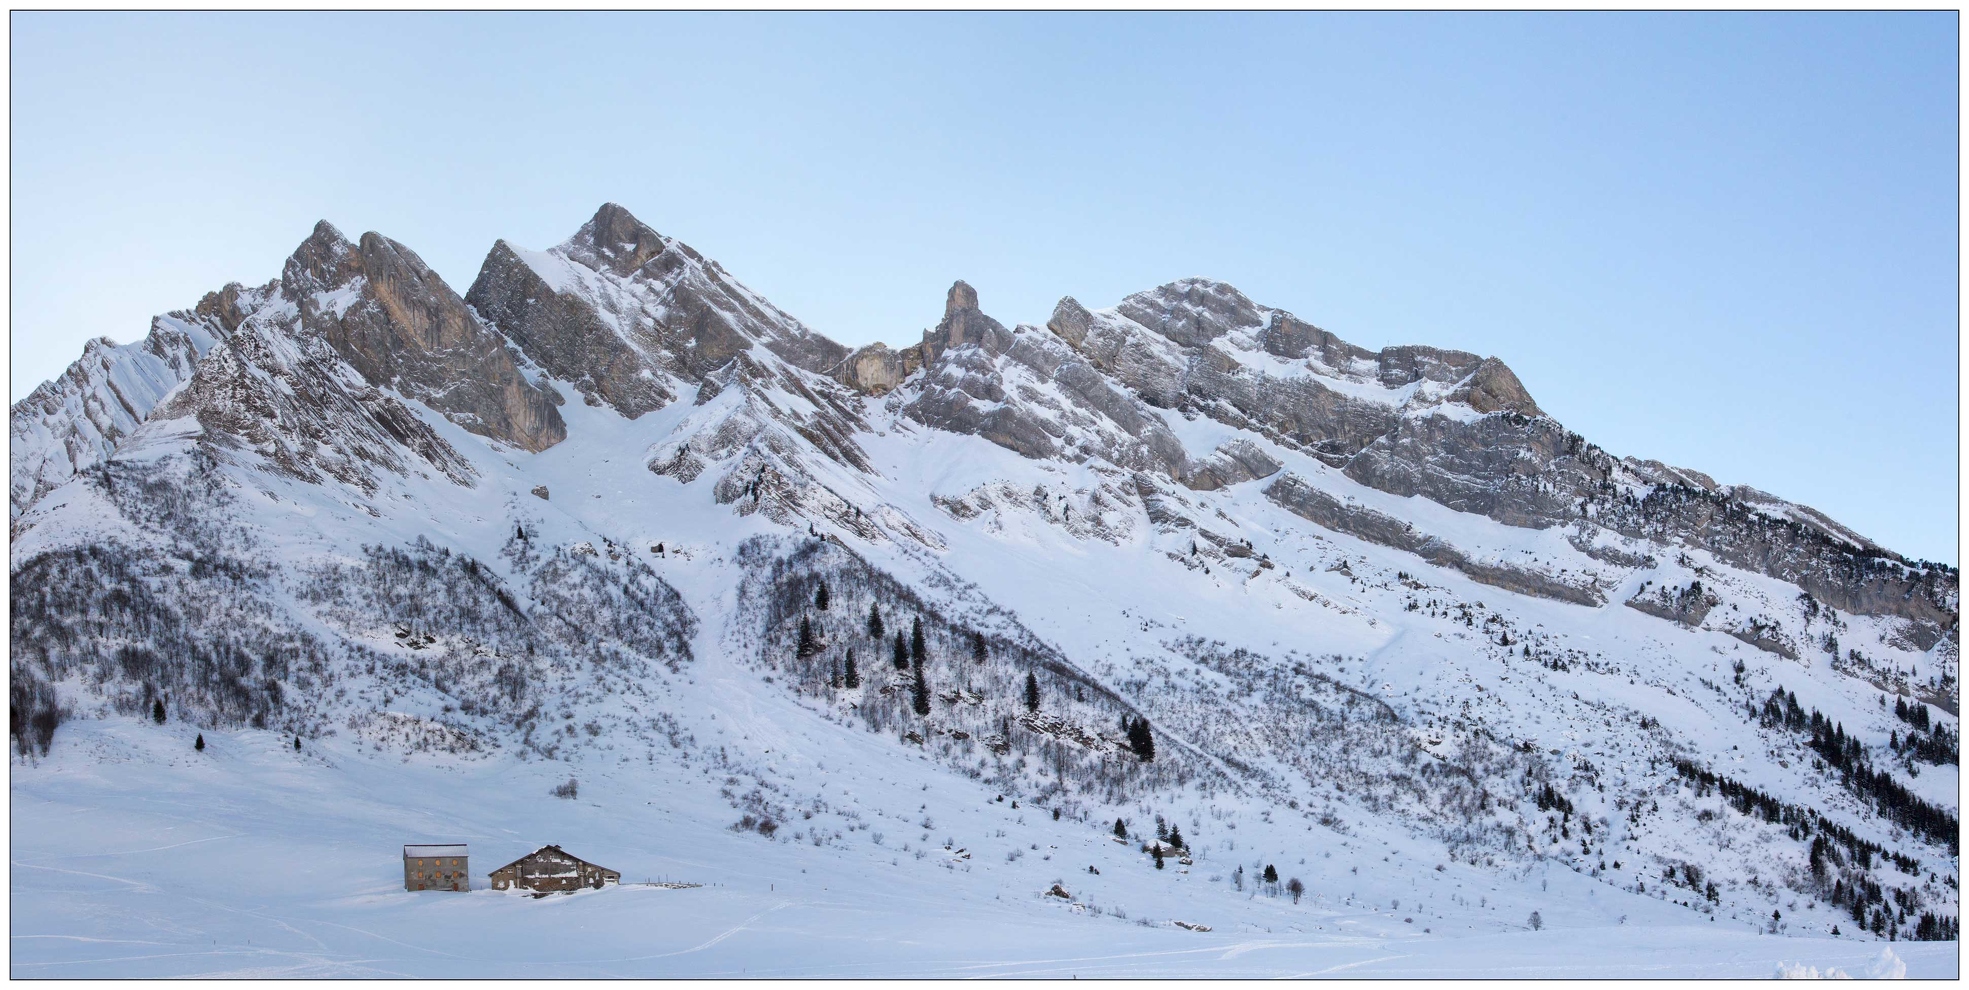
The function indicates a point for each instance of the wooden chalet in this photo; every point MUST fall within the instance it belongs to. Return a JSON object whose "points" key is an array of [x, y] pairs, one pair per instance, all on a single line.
{"points": [[551, 868]]}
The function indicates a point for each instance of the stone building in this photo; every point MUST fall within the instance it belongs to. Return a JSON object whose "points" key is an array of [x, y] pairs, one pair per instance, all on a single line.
{"points": [[436, 867], [550, 868]]}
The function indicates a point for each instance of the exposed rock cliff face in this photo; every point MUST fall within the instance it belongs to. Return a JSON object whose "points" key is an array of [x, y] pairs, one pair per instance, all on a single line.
{"points": [[1025, 390], [399, 325], [1520, 471], [628, 315], [963, 323], [1295, 495], [1855, 577], [293, 402], [1202, 347], [568, 337], [1493, 388], [877, 370], [1235, 462]]}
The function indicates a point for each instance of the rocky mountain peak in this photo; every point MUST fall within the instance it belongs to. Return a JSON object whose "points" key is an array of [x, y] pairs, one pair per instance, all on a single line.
{"points": [[961, 297], [963, 322], [1192, 311], [614, 240], [876, 368], [1494, 388], [395, 321], [324, 261], [623, 314], [222, 307]]}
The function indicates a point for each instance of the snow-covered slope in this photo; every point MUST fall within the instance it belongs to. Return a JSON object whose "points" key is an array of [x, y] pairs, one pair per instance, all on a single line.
{"points": [[1390, 628], [70, 424]]}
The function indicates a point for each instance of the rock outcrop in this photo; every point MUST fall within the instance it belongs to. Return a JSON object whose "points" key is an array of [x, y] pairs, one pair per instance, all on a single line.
{"points": [[1027, 391], [877, 370], [290, 400], [1302, 499], [1746, 533], [568, 336], [628, 315], [72, 423], [401, 327], [1686, 605]]}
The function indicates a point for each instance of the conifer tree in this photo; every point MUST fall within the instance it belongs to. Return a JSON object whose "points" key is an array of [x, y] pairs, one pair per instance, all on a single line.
{"points": [[917, 650], [1032, 692], [1120, 829], [200, 744], [157, 711], [297, 744], [1158, 856], [978, 647], [1176, 837], [919, 693], [1271, 873], [902, 652], [875, 630], [1141, 740], [808, 645], [820, 596], [851, 676]]}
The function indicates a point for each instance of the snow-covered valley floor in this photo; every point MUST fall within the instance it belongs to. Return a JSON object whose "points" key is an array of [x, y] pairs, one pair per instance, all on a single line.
{"points": [[132, 855]]}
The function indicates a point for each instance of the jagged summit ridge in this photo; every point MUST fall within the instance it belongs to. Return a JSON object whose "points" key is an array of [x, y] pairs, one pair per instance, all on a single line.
{"points": [[633, 320], [400, 326], [630, 316]]}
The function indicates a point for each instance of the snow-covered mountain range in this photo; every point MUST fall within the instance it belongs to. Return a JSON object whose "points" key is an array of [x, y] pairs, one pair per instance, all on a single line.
{"points": [[1188, 562]]}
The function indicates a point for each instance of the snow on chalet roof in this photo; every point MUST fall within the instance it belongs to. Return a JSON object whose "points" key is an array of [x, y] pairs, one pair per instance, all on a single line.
{"points": [[558, 851], [414, 852]]}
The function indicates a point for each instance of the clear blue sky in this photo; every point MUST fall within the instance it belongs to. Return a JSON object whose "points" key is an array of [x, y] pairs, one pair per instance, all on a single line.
{"points": [[1727, 241]]}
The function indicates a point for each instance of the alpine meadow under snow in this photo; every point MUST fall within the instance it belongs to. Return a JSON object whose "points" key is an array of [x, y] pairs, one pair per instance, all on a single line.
{"points": [[1178, 638]]}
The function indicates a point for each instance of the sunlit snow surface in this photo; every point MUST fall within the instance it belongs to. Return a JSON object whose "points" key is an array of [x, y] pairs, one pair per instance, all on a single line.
{"points": [[135, 856], [132, 855]]}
